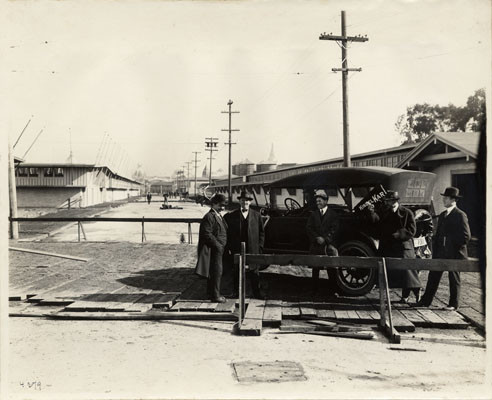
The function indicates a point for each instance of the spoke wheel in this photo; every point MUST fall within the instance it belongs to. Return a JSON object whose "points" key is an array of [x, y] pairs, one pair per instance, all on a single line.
{"points": [[355, 281]]}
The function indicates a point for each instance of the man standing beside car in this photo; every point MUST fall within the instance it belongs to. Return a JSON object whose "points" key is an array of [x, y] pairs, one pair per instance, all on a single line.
{"points": [[322, 227], [211, 243], [449, 242], [245, 225], [397, 228]]}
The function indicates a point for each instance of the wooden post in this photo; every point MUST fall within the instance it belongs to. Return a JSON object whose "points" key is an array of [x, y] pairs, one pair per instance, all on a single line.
{"points": [[190, 238], [68, 202], [242, 283], [82, 229], [78, 229], [382, 313], [143, 230], [387, 295], [14, 225]]}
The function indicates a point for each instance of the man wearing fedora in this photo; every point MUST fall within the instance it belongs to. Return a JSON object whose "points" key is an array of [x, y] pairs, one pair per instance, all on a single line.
{"points": [[396, 229], [449, 242], [322, 227], [211, 244], [245, 225]]}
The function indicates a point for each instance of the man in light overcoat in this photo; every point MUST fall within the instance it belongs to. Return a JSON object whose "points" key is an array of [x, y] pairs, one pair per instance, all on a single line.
{"points": [[211, 244], [449, 242]]}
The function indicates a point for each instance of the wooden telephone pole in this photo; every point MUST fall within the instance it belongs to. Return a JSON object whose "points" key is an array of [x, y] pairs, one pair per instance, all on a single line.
{"points": [[14, 225], [230, 130], [196, 165], [342, 41], [211, 147]]}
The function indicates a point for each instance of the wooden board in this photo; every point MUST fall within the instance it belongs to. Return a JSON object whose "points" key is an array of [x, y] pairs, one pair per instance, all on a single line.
{"points": [[341, 314], [207, 306], [290, 310], [352, 314], [432, 319], [228, 306], [414, 317], [186, 306], [473, 316], [453, 319], [142, 316], [272, 315], [400, 323], [325, 314], [365, 316], [307, 310], [253, 319]]}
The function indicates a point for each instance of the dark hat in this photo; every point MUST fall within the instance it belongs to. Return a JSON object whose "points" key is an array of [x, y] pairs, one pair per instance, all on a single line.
{"points": [[451, 192], [218, 198], [321, 193], [245, 195], [391, 195]]}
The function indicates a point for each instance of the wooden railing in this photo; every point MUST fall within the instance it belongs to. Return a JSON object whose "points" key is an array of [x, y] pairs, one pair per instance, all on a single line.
{"points": [[142, 220], [327, 262]]}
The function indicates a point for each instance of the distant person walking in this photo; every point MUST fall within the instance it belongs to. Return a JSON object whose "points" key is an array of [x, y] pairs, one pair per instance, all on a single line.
{"points": [[449, 242], [211, 243], [397, 228], [245, 225], [322, 226], [149, 197]]}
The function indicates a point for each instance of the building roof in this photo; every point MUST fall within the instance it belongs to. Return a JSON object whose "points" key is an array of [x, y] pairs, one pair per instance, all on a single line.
{"points": [[56, 165], [465, 142], [354, 157]]}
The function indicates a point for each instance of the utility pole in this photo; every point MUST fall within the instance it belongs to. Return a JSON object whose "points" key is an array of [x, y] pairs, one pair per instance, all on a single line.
{"points": [[342, 41], [211, 147], [196, 165], [229, 103], [14, 225], [188, 177]]}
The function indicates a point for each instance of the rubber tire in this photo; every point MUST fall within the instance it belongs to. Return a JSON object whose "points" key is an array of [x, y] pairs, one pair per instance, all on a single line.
{"points": [[354, 248]]}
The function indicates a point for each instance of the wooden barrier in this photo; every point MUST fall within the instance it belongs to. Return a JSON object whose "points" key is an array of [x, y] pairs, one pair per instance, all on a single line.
{"points": [[142, 220], [327, 262]]}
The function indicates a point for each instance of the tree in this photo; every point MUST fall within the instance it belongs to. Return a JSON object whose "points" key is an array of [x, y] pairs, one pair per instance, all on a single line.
{"points": [[421, 120]]}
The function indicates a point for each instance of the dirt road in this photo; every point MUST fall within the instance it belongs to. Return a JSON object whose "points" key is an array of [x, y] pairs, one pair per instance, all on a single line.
{"points": [[176, 359]]}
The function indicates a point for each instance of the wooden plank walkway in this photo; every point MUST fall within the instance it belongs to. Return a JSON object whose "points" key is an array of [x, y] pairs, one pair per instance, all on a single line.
{"points": [[253, 319]]}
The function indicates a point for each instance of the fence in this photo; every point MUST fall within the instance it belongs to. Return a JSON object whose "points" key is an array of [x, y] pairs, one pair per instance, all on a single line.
{"points": [[142, 220], [323, 262]]}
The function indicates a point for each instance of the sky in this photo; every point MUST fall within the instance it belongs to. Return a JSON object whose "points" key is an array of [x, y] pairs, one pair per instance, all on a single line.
{"points": [[141, 84]]}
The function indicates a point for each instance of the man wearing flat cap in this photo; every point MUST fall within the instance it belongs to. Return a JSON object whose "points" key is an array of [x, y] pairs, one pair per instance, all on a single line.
{"points": [[449, 242], [245, 225], [322, 227], [396, 229]]}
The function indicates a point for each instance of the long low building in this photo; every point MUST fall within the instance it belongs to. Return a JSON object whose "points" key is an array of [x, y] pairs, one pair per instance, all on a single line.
{"points": [[43, 185]]}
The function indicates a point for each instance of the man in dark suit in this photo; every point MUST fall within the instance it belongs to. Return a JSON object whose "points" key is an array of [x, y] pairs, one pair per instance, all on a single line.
{"points": [[245, 225], [449, 242], [397, 228], [322, 227], [211, 244]]}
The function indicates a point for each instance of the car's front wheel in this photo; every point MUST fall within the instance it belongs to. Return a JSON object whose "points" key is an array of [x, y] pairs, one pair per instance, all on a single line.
{"points": [[354, 281]]}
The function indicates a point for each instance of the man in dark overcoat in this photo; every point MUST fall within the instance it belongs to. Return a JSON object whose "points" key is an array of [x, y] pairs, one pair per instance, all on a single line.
{"points": [[396, 229], [322, 227], [245, 225], [449, 242], [212, 240]]}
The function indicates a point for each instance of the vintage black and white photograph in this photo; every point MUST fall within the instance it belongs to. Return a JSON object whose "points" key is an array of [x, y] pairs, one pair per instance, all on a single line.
{"points": [[244, 199]]}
